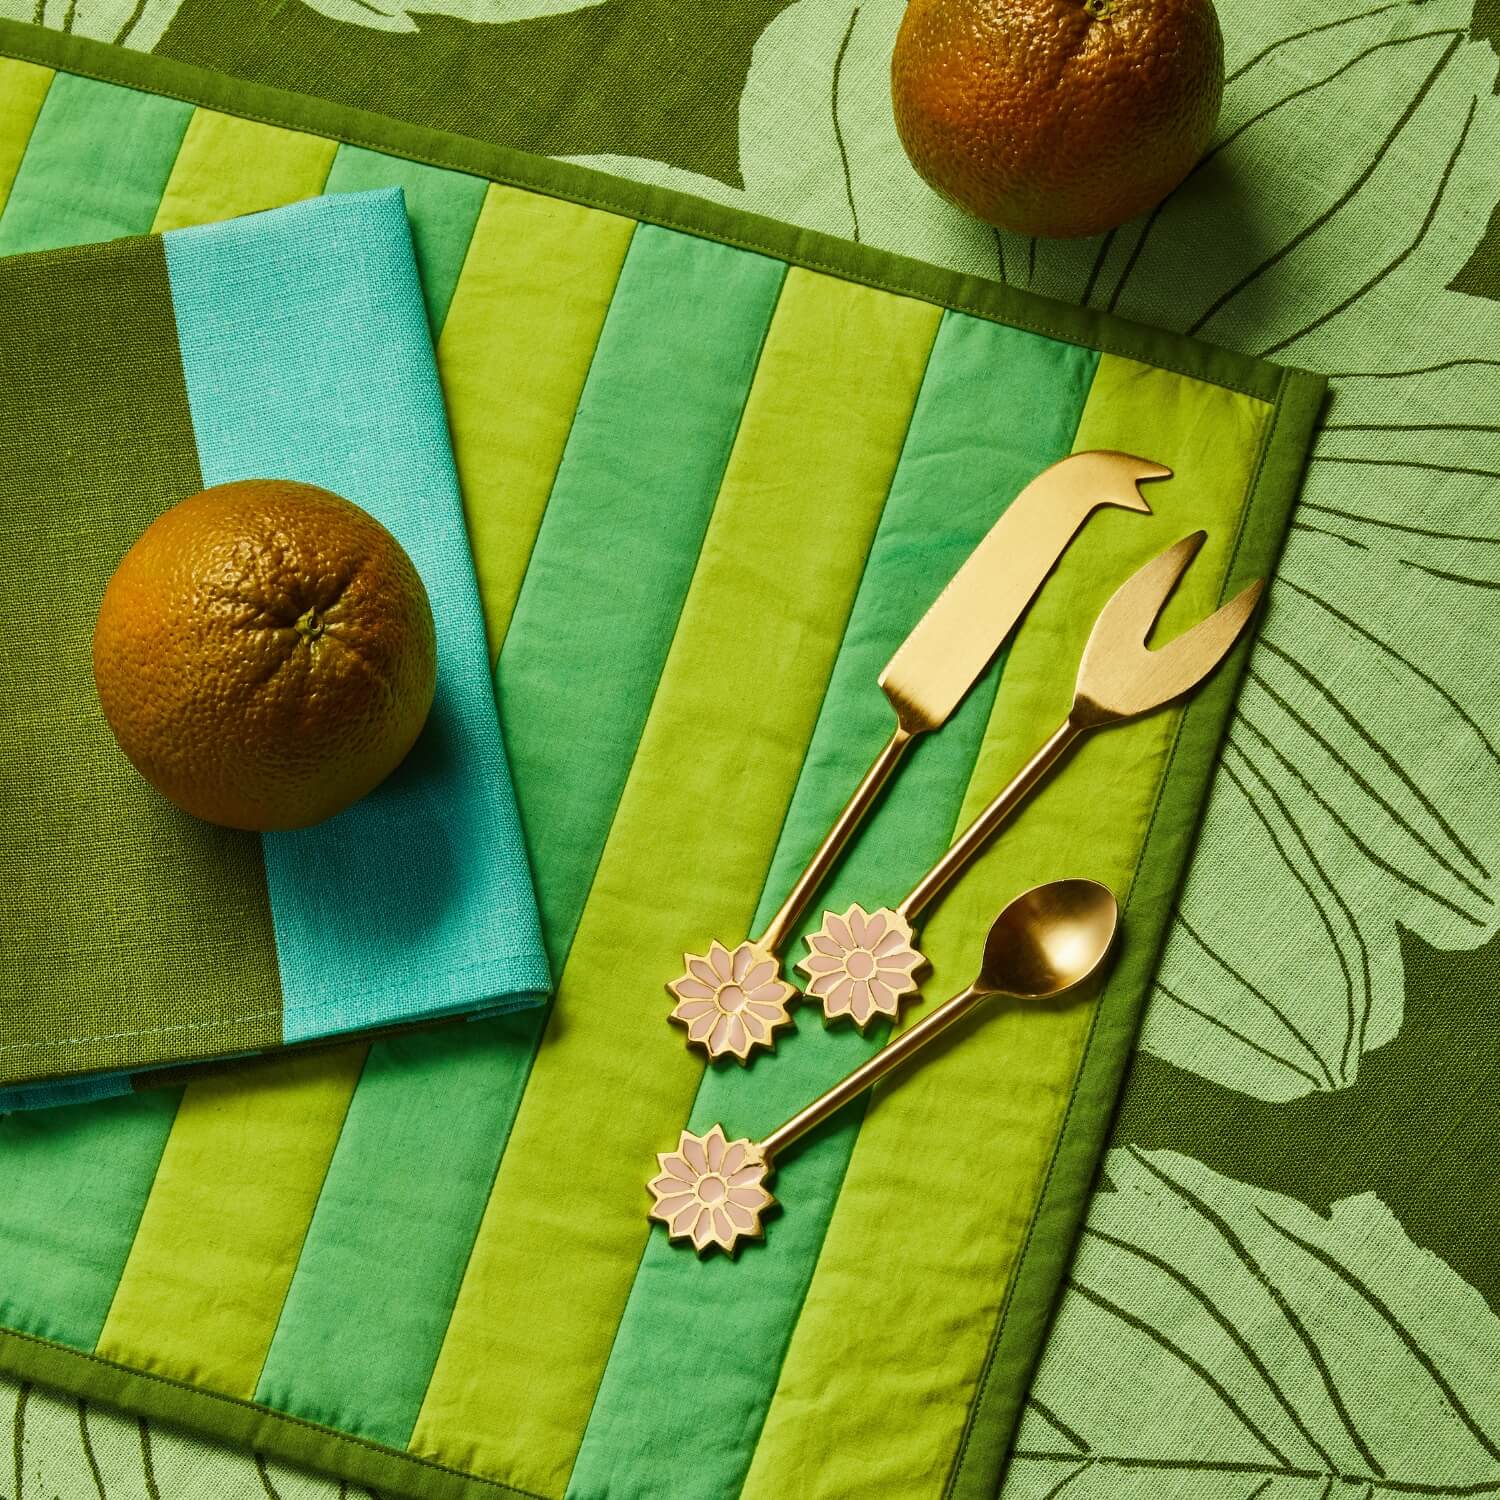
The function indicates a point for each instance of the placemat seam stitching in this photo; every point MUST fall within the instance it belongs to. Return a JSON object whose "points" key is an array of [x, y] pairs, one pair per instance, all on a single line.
{"points": [[204, 1393], [739, 242]]}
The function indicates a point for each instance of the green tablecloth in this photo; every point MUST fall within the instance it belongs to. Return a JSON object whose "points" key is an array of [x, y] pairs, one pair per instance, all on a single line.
{"points": [[1290, 1277]]}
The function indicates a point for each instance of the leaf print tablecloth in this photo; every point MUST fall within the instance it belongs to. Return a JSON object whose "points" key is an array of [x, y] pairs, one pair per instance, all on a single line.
{"points": [[1294, 1235]]}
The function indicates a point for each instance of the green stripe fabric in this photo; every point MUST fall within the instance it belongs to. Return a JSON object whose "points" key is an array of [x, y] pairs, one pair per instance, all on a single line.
{"points": [[690, 844], [203, 1285], [619, 541], [624, 525], [515, 352], [996, 405], [953, 1154], [94, 351], [23, 90], [95, 166], [442, 206], [71, 1193], [375, 1282]]}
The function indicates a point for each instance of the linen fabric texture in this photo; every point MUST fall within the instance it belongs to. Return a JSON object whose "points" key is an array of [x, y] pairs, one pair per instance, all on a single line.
{"points": [[292, 345]]}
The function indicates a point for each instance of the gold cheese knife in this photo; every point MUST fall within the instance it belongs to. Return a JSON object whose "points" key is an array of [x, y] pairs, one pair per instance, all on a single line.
{"points": [[731, 1000]]}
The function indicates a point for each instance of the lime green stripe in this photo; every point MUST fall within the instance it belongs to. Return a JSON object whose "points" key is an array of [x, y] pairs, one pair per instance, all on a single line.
{"points": [[996, 406], [442, 207], [228, 166], [71, 1192], [617, 548], [95, 166], [203, 1285], [516, 348], [953, 1154], [23, 87], [564, 1226]]}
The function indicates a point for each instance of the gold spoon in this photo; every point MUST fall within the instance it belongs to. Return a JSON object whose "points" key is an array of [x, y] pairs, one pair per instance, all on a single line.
{"points": [[711, 1190], [862, 964], [731, 1000]]}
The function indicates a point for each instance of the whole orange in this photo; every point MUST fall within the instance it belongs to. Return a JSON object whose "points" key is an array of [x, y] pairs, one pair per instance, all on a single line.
{"points": [[265, 654], [1057, 117]]}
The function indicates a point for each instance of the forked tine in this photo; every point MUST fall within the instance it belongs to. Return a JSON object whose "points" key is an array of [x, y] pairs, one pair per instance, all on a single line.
{"points": [[1120, 676]]}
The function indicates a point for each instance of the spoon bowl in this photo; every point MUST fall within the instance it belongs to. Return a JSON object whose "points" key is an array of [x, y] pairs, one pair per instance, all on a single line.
{"points": [[1049, 939]]}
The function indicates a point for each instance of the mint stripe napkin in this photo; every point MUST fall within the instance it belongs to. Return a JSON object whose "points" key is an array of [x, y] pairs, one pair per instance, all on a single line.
{"points": [[291, 343]]}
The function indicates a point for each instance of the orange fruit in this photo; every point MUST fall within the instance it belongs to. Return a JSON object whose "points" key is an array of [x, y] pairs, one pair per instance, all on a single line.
{"points": [[265, 654], [1056, 117]]}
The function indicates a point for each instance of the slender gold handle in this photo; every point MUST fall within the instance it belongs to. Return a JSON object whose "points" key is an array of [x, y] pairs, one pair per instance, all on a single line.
{"points": [[969, 842], [828, 851], [884, 1061]]}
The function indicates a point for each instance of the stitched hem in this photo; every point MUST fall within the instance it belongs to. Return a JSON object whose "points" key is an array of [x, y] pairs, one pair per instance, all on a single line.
{"points": [[1058, 1212], [810, 248], [25, 1356]]}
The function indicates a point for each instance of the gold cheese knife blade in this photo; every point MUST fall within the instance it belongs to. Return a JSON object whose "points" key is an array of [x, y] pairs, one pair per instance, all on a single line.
{"points": [[927, 678], [937, 664]]}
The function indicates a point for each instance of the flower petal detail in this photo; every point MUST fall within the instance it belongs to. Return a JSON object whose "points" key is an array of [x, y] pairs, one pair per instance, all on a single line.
{"points": [[838, 929], [688, 988], [740, 962], [741, 1218], [863, 926], [693, 1153], [690, 1010], [755, 977], [839, 998], [723, 964], [820, 963]]}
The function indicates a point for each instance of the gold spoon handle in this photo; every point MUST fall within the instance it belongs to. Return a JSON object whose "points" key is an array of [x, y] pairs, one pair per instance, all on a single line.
{"points": [[973, 838], [827, 852], [886, 1060]]}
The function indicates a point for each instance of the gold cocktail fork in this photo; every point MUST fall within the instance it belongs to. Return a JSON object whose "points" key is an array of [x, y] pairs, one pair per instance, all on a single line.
{"points": [[861, 964], [731, 1000]]}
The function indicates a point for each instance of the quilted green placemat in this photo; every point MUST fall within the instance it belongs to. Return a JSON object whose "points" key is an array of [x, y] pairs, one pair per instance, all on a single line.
{"points": [[700, 454]]}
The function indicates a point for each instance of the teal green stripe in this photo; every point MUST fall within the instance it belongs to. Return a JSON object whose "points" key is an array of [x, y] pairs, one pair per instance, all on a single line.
{"points": [[996, 406], [443, 207], [387, 1246], [619, 543], [73, 1183], [95, 167], [400, 1206]]}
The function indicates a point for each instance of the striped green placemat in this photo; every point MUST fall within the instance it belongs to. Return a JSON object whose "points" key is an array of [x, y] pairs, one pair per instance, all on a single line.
{"points": [[713, 470]]}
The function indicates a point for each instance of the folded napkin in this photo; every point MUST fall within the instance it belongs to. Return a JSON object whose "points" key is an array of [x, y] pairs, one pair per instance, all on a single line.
{"points": [[290, 344]]}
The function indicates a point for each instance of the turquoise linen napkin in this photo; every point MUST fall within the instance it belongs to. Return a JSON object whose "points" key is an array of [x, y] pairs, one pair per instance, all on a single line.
{"points": [[305, 354]]}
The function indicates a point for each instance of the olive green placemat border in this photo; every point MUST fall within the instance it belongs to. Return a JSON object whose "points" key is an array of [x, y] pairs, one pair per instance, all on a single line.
{"points": [[652, 205], [257, 1428], [1145, 921]]}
